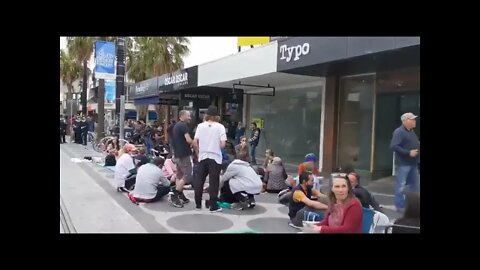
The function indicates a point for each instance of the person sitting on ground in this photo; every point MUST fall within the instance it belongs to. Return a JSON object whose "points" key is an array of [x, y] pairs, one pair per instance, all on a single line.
{"points": [[111, 159], [151, 185], [301, 201], [365, 197], [125, 169], [345, 211], [240, 178], [309, 164], [242, 147], [170, 168], [275, 176], [411, 217], [113, 145], [141, 158]]}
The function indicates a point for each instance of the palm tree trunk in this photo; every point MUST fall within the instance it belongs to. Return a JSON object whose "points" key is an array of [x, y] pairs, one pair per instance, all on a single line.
{"points": [[101, 109], [85, 85]]}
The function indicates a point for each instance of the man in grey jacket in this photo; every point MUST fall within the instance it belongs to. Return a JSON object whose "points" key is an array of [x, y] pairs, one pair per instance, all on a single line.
{"points": [[151, 185], [240, 178]]}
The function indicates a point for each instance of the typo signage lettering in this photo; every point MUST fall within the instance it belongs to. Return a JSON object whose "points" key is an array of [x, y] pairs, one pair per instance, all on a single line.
{"points": [[179, 79], [294, 51]]}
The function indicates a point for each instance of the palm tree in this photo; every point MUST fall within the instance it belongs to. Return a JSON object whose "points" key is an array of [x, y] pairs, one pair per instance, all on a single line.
{"points": [[81, 48], [69, 71], [154, 56]]}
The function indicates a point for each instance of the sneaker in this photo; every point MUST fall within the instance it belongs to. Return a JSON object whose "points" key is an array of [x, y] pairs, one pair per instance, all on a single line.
{"points": [[294, 226], [240, 205], [283, 192], [174, 200], [198, 207], [251, 202], [183, 198], [215, 208], [122, 189]]}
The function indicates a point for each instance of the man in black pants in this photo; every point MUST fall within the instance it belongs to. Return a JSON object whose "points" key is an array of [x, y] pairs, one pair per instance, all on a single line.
{"points": [[63, 129], [209, 140]]}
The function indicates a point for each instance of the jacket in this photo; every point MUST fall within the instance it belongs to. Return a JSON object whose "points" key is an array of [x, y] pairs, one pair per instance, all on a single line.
{"points": [[242, 178], [351, 222]]}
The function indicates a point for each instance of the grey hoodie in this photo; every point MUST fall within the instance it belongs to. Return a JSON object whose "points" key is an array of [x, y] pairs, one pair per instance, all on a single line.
{"points": [[242, 178]]}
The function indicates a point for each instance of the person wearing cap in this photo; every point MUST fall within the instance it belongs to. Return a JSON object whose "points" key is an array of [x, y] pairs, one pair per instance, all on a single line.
{"points": [[406, 146], [123, 169], [209, 140], [309, 164]]}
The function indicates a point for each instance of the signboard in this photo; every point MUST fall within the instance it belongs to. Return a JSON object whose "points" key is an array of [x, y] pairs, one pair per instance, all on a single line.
{"points": [[178, 80], [105, 60], [110, 91], [259, 121], [147, 88], [195, 96], [247, 41]]}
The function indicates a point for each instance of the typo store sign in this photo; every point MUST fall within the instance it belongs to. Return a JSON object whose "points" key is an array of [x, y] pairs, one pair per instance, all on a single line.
{"points": [[295, 52], [181, 79]]}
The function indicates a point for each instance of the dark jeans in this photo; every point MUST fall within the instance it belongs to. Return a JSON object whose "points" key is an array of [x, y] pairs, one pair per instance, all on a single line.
{"points": [[212, 169], [252, 153], [161, 191], [84, 138], [130, 182], [62, 138], [226, 194], [300, 215]]}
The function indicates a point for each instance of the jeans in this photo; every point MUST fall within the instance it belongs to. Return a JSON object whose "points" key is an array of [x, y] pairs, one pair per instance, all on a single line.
{"points": [[211, 168], [148, 144], [252, 153], [405, 175]]}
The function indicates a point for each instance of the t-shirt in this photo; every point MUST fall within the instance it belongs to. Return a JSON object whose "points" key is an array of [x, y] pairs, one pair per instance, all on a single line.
{"points": [[180, 146], [209, 135], [298, 196], [124, 164]]}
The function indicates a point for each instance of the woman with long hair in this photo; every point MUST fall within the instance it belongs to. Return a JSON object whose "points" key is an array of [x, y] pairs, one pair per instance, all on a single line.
{"points": [[344, 213]]}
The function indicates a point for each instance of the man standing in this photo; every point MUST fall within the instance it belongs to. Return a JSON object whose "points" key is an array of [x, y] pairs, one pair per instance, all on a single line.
{"points": [[182, 149], [406, 146], [63, 129], [210, 138], [254, 139]]}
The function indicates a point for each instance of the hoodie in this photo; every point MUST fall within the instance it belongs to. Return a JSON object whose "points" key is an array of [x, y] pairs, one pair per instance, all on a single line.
{"points": [[242, 177]]}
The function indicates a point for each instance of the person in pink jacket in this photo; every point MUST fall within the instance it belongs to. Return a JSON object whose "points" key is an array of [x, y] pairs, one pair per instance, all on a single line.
{"points": [[170, 169]]}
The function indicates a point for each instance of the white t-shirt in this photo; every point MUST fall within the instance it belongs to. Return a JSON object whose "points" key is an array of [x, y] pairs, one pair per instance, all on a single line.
{"points": [[124, 164], [209, 135], [148, 178]]}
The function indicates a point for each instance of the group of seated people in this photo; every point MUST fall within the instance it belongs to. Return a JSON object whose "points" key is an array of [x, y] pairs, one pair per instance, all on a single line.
{"points": [[338, 211]]}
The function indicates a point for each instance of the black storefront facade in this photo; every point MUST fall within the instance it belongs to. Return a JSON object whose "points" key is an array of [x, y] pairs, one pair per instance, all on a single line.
{"points": [[369, 83], [183, 85]]}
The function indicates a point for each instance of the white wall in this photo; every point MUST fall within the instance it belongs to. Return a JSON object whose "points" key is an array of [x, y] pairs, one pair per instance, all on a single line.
{"points": [[257, 61]]}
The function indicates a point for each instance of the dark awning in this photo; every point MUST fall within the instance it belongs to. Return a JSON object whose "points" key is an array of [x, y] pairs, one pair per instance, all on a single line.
{"points": [[147, 101]]}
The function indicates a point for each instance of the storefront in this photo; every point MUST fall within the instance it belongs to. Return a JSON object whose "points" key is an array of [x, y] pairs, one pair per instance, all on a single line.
{"points": [[144, 95], [370, 82], [287, 107]]}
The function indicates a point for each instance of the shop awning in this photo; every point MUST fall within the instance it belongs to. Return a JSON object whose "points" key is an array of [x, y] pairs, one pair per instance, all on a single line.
{"points": [[147, 101]]}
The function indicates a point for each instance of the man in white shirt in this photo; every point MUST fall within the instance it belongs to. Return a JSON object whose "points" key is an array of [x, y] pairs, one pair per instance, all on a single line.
{"points": [[209, 140], [123, 169], [151, 185]]}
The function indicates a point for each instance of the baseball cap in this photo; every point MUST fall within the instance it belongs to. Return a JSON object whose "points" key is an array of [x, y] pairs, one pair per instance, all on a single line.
{"points": [[129, 148], [212, 111], [408, 115]]}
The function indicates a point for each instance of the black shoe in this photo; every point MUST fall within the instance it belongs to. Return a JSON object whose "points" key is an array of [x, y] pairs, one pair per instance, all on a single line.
{"points": [[251, 202], [183, 198], [198, 207], [174, 200]]}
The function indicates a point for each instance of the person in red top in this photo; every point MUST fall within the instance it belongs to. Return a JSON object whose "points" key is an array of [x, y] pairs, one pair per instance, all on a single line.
{"points": [[309, 164], [344, 213]]}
